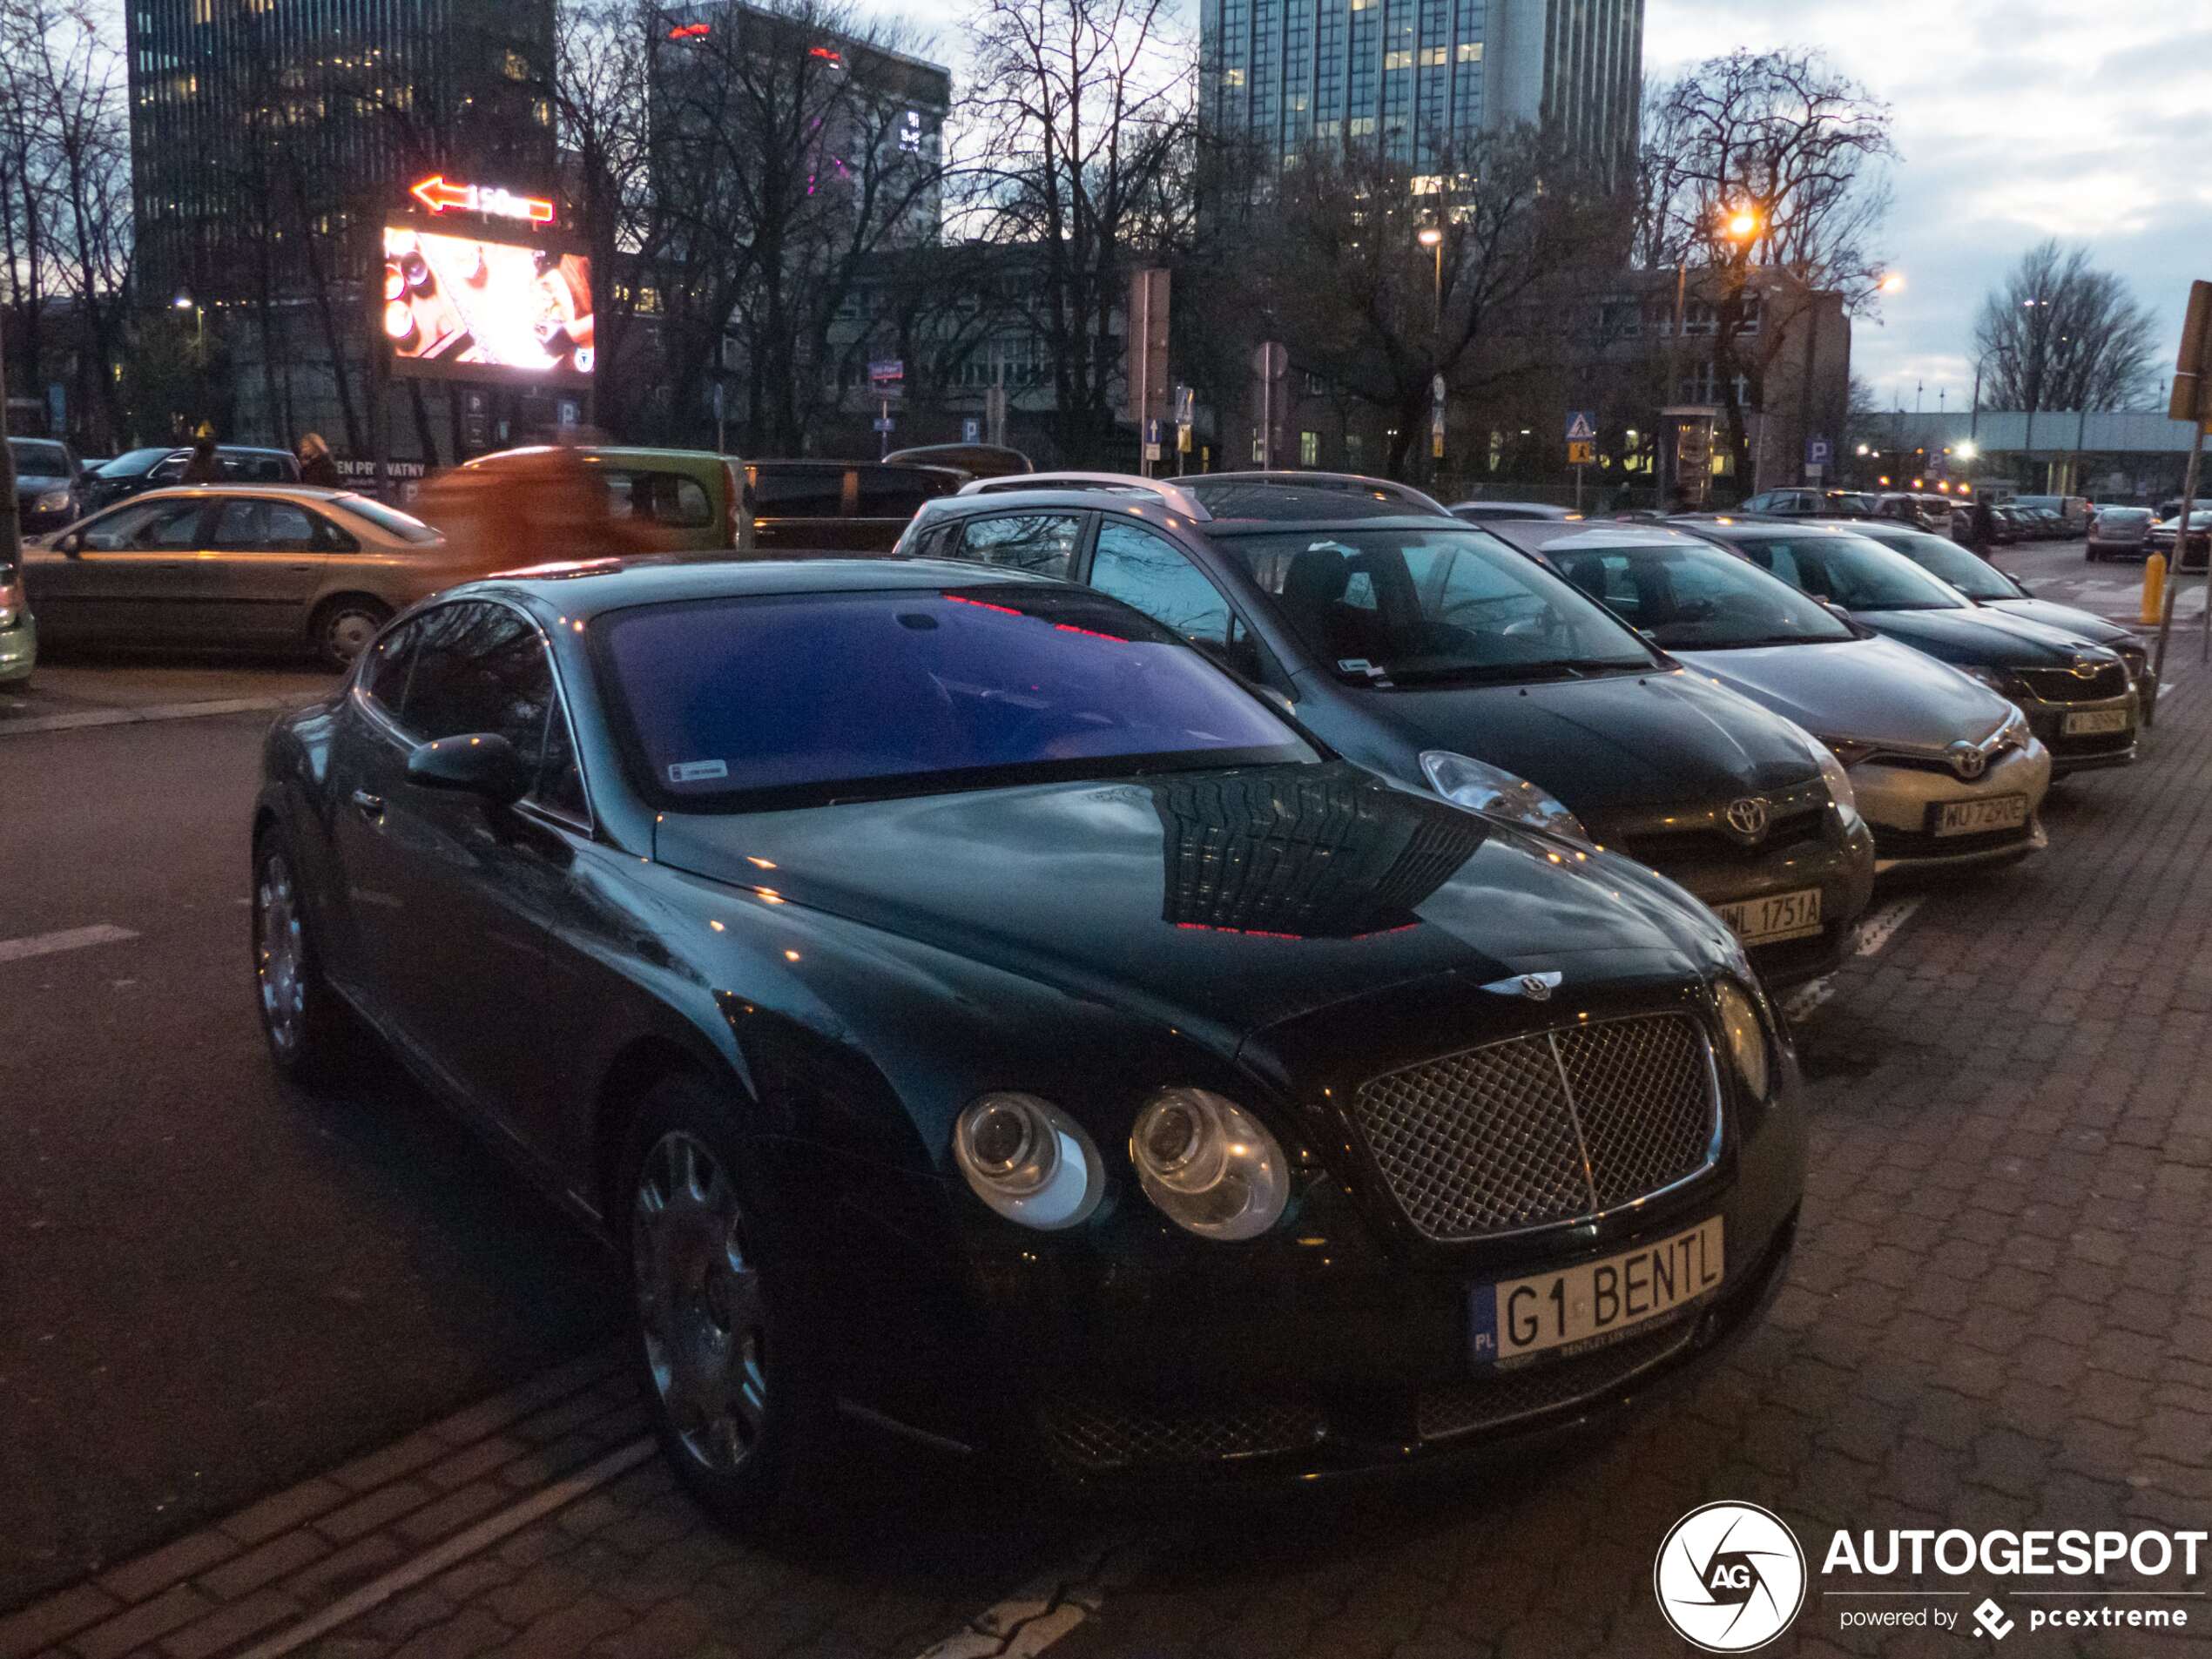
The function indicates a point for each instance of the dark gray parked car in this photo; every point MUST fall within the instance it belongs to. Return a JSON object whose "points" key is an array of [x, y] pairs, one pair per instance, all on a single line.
{"points": [[1430, 651]]}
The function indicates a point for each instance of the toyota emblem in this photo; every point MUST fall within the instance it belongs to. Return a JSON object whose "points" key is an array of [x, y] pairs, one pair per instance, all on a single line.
{"points": [[1747, 817], [1967, 760]]}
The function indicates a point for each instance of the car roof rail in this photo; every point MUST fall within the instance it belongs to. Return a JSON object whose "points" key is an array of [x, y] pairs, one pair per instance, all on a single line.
{"points": [[1167, 490], [1302, 478]]}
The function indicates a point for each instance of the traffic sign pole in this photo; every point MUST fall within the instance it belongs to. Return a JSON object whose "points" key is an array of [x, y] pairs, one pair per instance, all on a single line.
{"points": [[2188, 403]]}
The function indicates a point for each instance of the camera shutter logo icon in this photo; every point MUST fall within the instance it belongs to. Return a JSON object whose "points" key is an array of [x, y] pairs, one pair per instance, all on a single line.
{"points": [[1730, 1577]]}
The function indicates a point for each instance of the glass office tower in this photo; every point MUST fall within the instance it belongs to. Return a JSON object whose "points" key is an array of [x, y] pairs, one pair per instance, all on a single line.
{"points": [[1422, 76]]}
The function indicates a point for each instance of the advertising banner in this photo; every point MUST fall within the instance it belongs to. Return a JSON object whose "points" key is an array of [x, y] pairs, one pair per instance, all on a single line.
{"points": [[466, 307]]}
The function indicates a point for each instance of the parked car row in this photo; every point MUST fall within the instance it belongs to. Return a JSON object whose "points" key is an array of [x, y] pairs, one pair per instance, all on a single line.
{"points": [[1286, 971]]}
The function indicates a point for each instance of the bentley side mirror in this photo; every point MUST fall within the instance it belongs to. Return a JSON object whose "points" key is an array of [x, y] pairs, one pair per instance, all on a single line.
{"points": [[482, 764]]}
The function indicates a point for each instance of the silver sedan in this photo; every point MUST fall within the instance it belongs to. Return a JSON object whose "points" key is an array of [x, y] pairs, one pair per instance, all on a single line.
{"points": [[1945, 772]]}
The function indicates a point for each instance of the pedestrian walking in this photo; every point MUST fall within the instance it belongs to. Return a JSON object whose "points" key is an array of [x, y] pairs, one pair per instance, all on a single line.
{"points": [[203, 467], [1984, 531], [315, 465]]}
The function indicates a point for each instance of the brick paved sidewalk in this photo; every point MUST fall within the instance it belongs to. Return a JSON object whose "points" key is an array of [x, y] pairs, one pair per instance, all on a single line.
{"points": [[2001, 1316]]}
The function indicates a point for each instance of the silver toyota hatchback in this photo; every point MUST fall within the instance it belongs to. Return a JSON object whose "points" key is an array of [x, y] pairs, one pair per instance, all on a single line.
{"points": [[1946, 771]]}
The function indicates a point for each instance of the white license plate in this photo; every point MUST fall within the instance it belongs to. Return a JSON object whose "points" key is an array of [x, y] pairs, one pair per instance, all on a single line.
{"points": [[1979, 817], [1779, 915], [1590, 1305], [2090, 720]]}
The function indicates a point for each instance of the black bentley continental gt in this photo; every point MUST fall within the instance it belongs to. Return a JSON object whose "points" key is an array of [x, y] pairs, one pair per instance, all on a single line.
{"points": [[909, 967]]}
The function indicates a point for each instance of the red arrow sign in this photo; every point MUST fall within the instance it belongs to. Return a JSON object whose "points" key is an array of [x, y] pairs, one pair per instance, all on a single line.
{"points": [[437, 193]]}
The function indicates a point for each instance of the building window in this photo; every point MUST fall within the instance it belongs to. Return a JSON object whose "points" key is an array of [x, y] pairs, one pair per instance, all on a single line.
{"points": [[1362, 126], [1397, 58], [1233, 77], [1470, 52], [1432, 56], [1362, 5], [1309, 449]]}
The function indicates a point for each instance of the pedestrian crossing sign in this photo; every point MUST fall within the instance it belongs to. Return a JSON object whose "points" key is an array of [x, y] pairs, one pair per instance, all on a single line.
{"points": [[1582, 427]]}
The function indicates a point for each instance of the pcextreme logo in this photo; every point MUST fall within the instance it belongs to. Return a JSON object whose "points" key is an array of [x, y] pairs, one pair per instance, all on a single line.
{"points": [[1730, 1577]]}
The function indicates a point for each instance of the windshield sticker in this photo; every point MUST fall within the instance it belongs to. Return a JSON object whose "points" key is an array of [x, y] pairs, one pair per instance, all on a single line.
{"points": [[692, 771]]}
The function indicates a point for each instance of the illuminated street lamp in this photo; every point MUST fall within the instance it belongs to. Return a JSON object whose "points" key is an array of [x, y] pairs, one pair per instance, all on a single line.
{"points": [[1743, 226], [1432, 238]]}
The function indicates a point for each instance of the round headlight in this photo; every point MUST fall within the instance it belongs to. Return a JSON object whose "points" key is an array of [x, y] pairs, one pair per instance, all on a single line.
{"points": [[1746, 1037], [1029, 1160], [1209, 1165]]}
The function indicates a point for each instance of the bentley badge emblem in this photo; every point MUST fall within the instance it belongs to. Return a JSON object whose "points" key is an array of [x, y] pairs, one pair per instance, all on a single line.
{"points": [[1537, 988], [1747, 817]]}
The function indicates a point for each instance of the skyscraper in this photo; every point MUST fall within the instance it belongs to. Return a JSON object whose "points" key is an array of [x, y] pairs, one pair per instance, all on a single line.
{"points": [[1424, 76], [256, 125]]}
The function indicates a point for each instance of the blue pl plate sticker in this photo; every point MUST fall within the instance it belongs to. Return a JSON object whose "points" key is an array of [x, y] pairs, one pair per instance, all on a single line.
{"points": [[692, 771], [1482, 1324]]}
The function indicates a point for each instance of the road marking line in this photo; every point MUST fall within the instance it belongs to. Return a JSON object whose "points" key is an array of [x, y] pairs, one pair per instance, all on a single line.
{"points": [[1875, 930], [1047, 1606], [103, 932], [455, 1550], [151, 712]]}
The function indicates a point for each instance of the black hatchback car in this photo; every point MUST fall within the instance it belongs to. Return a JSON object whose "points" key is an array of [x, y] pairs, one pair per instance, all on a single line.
{"points": [[1429, 651], [923, 973]]}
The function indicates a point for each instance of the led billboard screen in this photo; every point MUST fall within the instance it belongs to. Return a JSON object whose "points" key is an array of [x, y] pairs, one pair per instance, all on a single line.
{"points": [[472, 307]]}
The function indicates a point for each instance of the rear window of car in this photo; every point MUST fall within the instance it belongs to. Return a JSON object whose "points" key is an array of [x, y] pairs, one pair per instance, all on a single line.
{"points": [[390, 520], [891, 493], [257, 468], [39, 458], [135, 463], [2128, 515], [751, 702], [797, 492]]}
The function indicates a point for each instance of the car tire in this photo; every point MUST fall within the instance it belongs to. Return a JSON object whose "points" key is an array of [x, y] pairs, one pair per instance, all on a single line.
{"points": [[342, 626], [309, 1033], [721, 1331]]}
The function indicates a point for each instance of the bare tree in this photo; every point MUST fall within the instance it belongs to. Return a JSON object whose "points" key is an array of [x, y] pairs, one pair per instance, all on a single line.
{"points": [[1760, 163], [1079, 127], [2061, 334], [1360, 301]]}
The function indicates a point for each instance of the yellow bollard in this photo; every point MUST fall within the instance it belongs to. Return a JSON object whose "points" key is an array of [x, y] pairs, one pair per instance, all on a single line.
{"points": [[2154, 586]]}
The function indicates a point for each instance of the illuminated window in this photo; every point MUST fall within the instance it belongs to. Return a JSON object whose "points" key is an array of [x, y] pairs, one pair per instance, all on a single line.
{"points": [[1428, 184], [1309, 449], [1361, 125], [1433, 55], [1233, 77], [1362, 5], [1470, 52], [1399, 58], [515, 66]]}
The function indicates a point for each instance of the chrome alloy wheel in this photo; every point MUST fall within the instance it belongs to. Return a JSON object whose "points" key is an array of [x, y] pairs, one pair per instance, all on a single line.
{"points": [[699, 1302], [280, 956], [348, 634]]}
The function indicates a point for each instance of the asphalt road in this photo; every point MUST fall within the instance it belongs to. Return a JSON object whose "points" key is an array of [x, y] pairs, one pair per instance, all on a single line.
{"points": [[212, 1285]]}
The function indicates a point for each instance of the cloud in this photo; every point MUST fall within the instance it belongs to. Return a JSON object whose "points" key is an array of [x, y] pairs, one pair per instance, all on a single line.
{"points": [[2016, 121]]}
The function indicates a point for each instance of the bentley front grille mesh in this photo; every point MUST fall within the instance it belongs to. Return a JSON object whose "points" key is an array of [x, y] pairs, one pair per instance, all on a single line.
{"points": [[1102, 1434], [1542, 1129]]}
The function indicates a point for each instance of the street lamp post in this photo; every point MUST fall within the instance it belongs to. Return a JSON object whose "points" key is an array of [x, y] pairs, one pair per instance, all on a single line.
{"points": [[186, 300], [1432, 238]]}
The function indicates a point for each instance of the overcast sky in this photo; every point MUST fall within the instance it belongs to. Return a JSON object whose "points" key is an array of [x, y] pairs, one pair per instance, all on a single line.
{"points": [[2017, 119]]}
